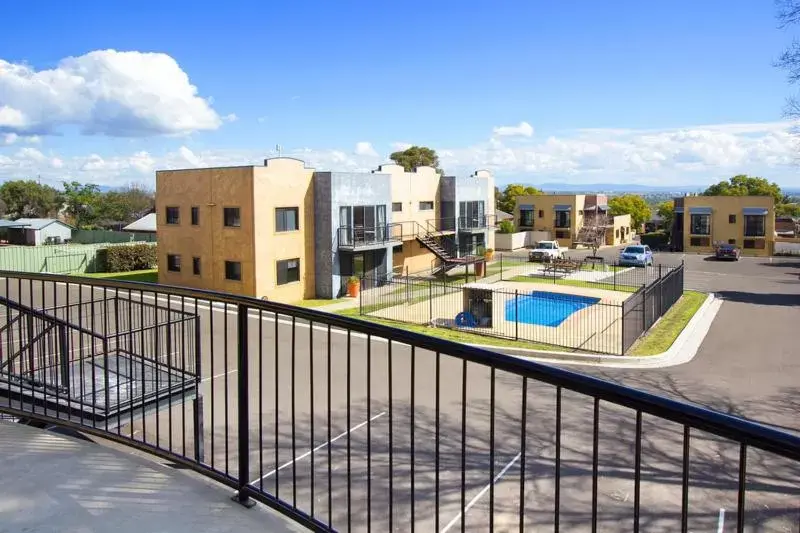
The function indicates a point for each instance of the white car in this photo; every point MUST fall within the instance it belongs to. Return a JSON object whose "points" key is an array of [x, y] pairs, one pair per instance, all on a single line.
{"points": [[546, 251]]}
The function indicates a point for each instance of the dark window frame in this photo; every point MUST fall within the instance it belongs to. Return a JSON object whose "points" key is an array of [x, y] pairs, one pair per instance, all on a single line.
{"points": [[196, 266], [236, 213], [426, 203], [693, 226], [279, 211], [233, 264], [759, 230], [195, 215], [285, 278], [173, 262], [526, 218], [171, 210], [397, 204], [731, 219]]}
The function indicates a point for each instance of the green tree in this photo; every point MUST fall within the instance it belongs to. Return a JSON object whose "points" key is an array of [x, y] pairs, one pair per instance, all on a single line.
{"points": [[125, 205], [508, 197], [791, 210], [666, 210], [744, 185], [417, 156], [81, 203], [630, 204], [30, 199]]}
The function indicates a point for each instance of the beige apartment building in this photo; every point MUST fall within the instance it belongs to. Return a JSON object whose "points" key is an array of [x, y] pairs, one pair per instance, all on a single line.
{"points": [[571, 219], [701, 222], [287, 232], [244, 230]]}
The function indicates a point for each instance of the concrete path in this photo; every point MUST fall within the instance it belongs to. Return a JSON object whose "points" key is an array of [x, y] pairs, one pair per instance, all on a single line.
{"points": [[55, 483]]}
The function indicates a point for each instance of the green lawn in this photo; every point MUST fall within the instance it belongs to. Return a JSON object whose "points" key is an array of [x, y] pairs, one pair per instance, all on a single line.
{"points": [[147, 276], [576, 283], [453, 335], [320, 302], [663, 334]]}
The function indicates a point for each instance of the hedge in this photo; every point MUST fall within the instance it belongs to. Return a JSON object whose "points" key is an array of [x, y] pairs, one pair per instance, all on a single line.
{"points": [[126, 258], [657, 241]]}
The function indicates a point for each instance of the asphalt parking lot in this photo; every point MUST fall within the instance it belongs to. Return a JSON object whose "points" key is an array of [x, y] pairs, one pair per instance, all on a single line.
{"points": [[749, 362], [363, 429]]}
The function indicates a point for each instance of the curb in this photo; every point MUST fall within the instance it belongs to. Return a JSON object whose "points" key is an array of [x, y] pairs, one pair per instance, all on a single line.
{"points": [[682, 350]]}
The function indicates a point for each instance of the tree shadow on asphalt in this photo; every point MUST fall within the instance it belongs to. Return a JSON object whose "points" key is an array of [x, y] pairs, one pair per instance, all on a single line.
{"points": [[772, 482], [773, 299]]}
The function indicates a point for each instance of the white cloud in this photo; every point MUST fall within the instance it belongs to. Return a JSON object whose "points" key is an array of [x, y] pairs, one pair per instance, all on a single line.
{"points": [[8, 139], [365, 148], [57, 163], [104, 92], [230, 117], [682, 156], [523, 129], [400, 146]]}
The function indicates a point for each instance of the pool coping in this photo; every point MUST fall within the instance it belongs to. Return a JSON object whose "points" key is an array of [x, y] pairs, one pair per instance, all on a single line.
{"points": [[683, 349]]}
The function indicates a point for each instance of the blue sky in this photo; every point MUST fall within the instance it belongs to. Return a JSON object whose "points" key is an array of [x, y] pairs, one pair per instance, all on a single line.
{"points": [[682, 92]]}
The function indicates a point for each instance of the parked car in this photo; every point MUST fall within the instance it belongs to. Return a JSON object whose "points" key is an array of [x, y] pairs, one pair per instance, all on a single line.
{"points": [[727, 251], [638, 255], [546, 251]]}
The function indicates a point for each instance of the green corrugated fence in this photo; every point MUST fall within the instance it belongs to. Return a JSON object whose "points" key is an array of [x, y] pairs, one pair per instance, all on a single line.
{"points": [[102, 236], [54, 259]]}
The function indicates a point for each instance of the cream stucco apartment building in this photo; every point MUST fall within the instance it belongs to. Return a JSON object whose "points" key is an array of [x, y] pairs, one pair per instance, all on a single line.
{"points": [[287, 232], [571, 218]]}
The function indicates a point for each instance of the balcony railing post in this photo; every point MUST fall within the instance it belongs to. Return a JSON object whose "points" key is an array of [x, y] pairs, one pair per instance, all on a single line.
{"points": [[242, 495]]}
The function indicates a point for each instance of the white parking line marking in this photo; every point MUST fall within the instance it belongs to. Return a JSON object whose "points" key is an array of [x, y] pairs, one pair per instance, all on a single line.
{"points": [[478, 496], [323, 445], [721, 522]]}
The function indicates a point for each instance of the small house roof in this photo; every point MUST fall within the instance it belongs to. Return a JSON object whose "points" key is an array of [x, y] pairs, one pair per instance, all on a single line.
{"points": [[145, 224], [38, 223]]}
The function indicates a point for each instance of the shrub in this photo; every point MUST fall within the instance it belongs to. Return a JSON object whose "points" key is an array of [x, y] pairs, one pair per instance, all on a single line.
{"points": [[657, 240], [125, 258], [506, 226]]}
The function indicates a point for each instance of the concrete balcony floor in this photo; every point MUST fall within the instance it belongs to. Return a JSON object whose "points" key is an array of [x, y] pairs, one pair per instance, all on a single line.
{"points": [[56, 483]]}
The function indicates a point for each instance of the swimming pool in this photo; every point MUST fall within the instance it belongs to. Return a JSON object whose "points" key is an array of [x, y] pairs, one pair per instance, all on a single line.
{"points": [[546, 308]]}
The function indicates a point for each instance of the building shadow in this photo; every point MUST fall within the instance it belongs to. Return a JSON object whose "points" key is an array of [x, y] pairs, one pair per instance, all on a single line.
{"points": [[772, 299]]}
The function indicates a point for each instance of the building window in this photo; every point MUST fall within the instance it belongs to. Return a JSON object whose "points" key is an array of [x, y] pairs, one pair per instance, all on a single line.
{"points": [[288, 271], [755, 226], [425, 206], [173, 263], [173, 215], [616, 233], [731, 219], [233, 270], [526, 218], [196, 266], [195, 216], [541, 213], [397, 207], [700, 225], [562, 219], [287, 219], [232, 217]]}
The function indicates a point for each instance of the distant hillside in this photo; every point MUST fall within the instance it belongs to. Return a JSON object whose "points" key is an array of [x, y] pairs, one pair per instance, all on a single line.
{"points": [[617, 188]]}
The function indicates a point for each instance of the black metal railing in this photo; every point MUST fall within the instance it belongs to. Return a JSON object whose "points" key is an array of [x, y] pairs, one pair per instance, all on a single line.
{"points": [[434, 225], [345, 425], [362, 236], [477, 222], [648, 304]]}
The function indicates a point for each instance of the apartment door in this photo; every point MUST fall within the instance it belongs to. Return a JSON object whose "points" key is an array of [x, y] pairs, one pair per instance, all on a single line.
{"points": [[364, 223], [366, 265]]}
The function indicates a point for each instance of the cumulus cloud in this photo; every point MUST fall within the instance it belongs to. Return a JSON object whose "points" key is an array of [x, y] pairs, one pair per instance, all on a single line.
{"points": [[365, 148], [682, 156], [401, 146], [523, 129], [104, 92]]}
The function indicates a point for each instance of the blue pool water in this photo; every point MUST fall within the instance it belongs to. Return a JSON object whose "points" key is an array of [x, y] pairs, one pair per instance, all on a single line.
{"points": [[546, 308]]}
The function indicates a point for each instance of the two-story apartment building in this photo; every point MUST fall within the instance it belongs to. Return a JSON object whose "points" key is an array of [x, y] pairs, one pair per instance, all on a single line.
{"points": [[245, 230], [570, 217], [746, 221], [287, 232]]}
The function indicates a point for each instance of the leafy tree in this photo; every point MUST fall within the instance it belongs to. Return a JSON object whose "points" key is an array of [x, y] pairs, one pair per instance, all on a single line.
{"points": [[630, 204], [30, 199], [508, 197], [81, 203], [791, 210], [744, 185], [416, 156], [666, 210], [124, 206]]}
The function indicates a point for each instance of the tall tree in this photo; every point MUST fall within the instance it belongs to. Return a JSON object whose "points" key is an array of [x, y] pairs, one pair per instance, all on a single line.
{"points": [[81, 203], [417, 156], [30, 199], [744, 185], [789, 60], [666, 210], [508, 197], [630, 204], [125, 205]]}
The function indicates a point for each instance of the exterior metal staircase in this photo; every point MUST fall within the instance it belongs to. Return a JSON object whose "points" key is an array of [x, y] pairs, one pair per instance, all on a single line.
{"points": [[446, 253]]}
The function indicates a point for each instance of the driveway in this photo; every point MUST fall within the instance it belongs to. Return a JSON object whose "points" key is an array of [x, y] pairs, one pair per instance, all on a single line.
{"points": [[749, 363]]}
